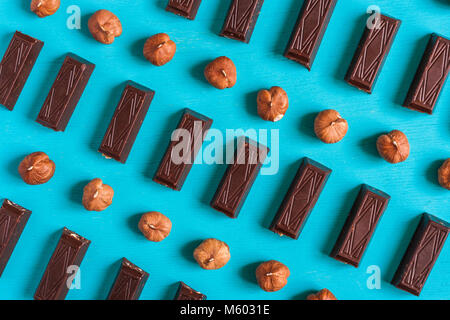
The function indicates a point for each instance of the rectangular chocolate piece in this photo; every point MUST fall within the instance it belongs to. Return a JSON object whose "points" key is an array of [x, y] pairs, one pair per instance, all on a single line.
{"points": [[16, 66], [309, 30], [430, 76], [184, 8], [129, 282], [185, 292], [126, 121], [239, 177], [65, 92], [360, 225], [300, 198], [174, 168], [13, 219], [241, 19], [421, 255], [69, 252], [371, 53]]}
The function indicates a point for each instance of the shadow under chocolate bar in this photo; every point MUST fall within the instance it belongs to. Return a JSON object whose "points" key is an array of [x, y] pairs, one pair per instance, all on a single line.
{"points": [[421, 255], [69, 252], [129, 282], [185, 292], [360, 225], [430, 76], [241, 19], [126, 121], [65, 92], [300, 198], [184, 8], [16, 66], [371, 53], [239, 177], [173, 173], [309, 30], [13, 219]]}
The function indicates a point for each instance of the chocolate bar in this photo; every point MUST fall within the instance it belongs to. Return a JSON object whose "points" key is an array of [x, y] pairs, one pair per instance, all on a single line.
{"points": [[300, 198], [16, 66], [65, 92], [13, 219], [184, 8], [239, 177], [371, 53], [241, 19], [69, 253], [185, 292], [360, 225], [174, 168], [309, 30], [126, 121], [430, 76], [129, 282], [421, 255]]}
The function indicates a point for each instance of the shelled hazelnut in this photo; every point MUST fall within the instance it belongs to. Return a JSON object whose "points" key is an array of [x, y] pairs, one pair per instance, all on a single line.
{"points": [[323, 294], [272, 104], [104, 26], [36, 168], [221, 73], [444, 174], [97, 196], [155, 226], [44, 8], [393, 147], [272, 275], [159, 49], [212, 254], [330, 127]]}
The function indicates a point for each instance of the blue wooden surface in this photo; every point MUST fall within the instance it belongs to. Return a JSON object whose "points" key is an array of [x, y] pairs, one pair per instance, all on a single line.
{"points": [[114, 234]]}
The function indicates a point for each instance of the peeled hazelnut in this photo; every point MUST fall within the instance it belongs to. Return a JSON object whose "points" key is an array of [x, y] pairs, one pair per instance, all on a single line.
{"points": [[36, 168], [444, 174], [155, 226], [97, 196], [393, 147], [104, 26], [330, 127], [44, 8], [221, 73], [212, 254], [272, 275], [159, 49], [323, 294], [272, 104]]}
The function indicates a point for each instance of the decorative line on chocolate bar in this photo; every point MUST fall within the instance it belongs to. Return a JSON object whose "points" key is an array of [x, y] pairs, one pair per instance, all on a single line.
{"points": [[240, 15]]}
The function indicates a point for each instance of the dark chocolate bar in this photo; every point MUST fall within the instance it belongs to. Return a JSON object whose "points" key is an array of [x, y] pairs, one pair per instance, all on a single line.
{"points": [[300, 199], [309, 30], [65, 92], [129, 282], [126, 121], [371, 53], [172, 172], [184, 8], [241, 19], [185, 292], [421, 255], [16, 66], [239, 177], [360, 225], [13, 219], [69, 252], [430, 76]]}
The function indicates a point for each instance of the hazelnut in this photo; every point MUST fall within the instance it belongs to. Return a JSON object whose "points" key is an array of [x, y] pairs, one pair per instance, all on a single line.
{"points": [[36, 168], [323, 294], [330, 127], [104, 26], [159, 49], [44, 8], [393, 147], [444, 174], [272, 275], [97, 196], [212, 254], [221, 73], [155, 226], [272, 104]]}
